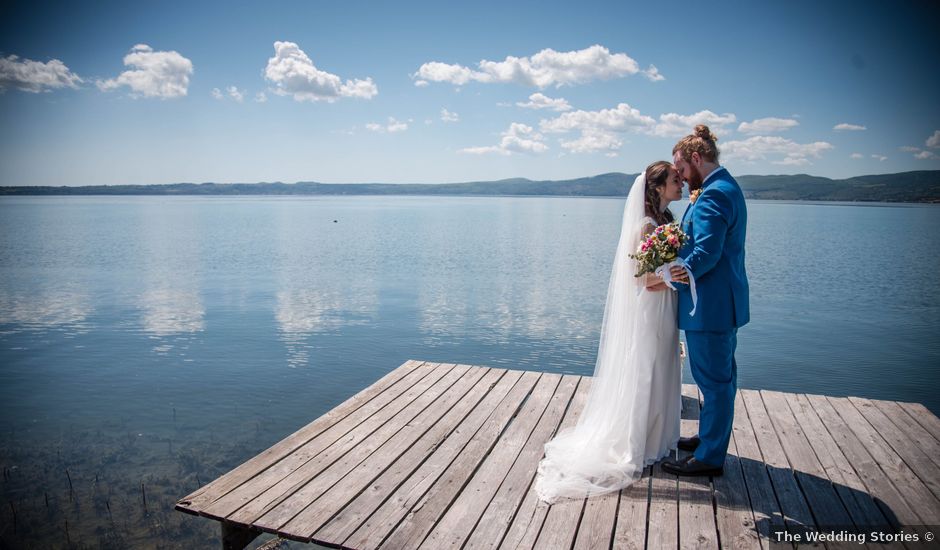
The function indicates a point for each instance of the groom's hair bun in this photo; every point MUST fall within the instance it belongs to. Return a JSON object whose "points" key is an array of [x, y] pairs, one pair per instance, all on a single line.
{"points": [[701, 141]]}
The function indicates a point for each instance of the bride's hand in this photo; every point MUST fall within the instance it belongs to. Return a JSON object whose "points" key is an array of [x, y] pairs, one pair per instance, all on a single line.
{"points": [[654, 282]]}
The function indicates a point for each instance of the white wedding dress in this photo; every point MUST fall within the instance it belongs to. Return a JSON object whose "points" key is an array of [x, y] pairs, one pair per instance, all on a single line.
{"points": [[631, 417]]}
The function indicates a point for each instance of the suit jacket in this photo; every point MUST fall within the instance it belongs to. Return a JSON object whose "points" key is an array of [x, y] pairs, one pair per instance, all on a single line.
{"points": [[716, 225]]}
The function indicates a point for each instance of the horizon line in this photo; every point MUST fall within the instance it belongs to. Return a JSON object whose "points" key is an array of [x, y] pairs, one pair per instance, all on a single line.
{"points": [[629, 174]]}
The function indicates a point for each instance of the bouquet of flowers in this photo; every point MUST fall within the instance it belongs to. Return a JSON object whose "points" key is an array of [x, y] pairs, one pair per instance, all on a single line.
{"points": [[660, 248]]}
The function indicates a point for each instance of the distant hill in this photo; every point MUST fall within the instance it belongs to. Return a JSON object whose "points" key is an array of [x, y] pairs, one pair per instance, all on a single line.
{"points": [[920, 186]]}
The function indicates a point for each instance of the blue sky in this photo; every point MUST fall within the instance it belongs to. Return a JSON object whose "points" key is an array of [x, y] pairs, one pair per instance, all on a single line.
{"points": [[446, 92]]}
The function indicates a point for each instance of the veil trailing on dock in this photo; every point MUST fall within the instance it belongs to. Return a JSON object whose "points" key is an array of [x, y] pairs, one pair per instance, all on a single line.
{"points": [[608, 447]]}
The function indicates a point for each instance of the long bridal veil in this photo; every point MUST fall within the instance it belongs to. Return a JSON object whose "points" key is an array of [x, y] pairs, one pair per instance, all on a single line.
{"points": [[607, 448]]}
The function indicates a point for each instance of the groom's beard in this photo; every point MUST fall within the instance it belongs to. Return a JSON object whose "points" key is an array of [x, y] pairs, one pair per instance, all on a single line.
{"points": [[695, 179]]}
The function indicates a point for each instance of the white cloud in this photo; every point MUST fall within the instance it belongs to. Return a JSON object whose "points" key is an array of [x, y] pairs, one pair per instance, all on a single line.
{"points": [[675, 125], [35, 76], [934, 140], [235, 94], [845, 126], [519, 138], [546, 68], [594, 140], [396, 125], [599, 128], [421, 83], [767, 125], [217, 94], [448, 116], [392, 127], [442, 72], [920, 154], [294, 74], [763, 147], [164, 75], [620, 119], [541, 101], [652, 73], [261, 97], [881, 158], [857, 156]]}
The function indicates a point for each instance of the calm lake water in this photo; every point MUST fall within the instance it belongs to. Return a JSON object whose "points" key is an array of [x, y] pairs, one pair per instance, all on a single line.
{"points": [[164, 340]]}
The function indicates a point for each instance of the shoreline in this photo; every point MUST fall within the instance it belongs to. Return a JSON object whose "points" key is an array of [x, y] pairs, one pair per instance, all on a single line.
{"points": [[212, 196], [808, 202]]}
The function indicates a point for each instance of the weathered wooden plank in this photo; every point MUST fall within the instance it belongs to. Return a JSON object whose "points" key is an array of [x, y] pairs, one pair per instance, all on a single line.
{"points": [[527, 523], [697, 528], [597, 522], [467, 444], [663, 530], [892, 503], [924, 417], [922, 501], [491, 389], [493, 524], [733, 513], [452, 530], [561, 524], [911, 428], [909, 450], [422, 508], [403, 377], [360, 473], [855, 496], [257, 495], [768, 518], [829, 512], [796, 510], [307, 483], [630, 531]]}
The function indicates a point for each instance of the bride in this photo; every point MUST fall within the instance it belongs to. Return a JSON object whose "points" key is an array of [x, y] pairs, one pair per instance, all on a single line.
{"points": [[631, 418]]}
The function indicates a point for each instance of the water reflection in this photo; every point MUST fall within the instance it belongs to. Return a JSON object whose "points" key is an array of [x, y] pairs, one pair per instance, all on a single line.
{"points": [[168, 250], [170, 311], [45, 308], [323, 282], [527, 274]]}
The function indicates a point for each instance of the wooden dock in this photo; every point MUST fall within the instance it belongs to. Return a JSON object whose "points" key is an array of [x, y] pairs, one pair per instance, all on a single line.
{"points": [[444, 456]]}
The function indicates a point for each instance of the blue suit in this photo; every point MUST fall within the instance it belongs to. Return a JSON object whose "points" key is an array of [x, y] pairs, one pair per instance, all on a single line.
{"points": [[716, 225]]}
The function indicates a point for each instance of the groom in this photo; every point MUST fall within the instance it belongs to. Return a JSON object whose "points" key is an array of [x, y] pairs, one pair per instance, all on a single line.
{"points": [[715, 221]]}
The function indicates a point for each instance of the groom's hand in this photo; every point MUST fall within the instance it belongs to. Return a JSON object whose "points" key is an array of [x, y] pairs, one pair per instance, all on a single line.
{"points": [[679, 274]]}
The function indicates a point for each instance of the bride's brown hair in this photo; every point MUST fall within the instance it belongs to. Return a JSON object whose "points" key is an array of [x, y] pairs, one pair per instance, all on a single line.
{"points": [[656, 176]]}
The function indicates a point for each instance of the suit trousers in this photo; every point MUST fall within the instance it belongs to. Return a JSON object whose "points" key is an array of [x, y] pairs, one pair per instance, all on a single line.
{"points": [[711, 358]]}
